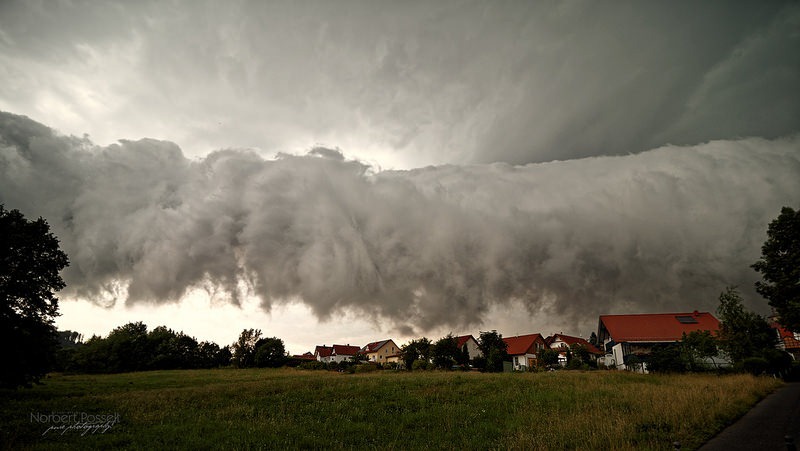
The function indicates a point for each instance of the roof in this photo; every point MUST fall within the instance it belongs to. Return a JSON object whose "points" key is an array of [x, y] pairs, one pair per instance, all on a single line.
{"points": [[305, 356], [786, 336], [375, 345], [323, 351], [463, 339], [345, 350], [657, 327], [570, 340], [522, 344]]}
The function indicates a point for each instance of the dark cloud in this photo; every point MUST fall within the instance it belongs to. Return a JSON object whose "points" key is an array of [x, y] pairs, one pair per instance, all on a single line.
{"points": [[666, 229], [412, 83]]}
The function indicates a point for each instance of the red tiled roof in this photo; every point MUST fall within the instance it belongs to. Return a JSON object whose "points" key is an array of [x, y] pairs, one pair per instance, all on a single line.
{"points": [[789, 342], [305, 356], [323, 351], [345, 350], [657, 327], [570, 340], [374, 346], [523, 344], [463, 339]]}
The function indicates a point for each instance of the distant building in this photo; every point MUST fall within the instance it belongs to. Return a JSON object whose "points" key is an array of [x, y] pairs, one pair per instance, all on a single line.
{"points": [[628, 339], [562, 343], [384, 351], [335, 353], [472, 346], [524, 350], [787, 340], [304, 356]]}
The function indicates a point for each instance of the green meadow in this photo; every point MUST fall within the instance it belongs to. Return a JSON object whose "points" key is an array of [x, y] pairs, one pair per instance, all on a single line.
{"points": [[289, 409]]}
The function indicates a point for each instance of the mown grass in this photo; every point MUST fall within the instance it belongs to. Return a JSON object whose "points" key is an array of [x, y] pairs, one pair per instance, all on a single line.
{"points": [[290, 409]]}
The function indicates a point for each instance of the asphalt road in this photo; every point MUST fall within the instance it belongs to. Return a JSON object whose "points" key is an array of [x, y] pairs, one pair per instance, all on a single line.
{"points": [[765, 426]]}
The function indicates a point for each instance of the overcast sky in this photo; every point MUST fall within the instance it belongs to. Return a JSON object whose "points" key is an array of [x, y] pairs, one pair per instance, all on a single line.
{"points": [[351, 171]]}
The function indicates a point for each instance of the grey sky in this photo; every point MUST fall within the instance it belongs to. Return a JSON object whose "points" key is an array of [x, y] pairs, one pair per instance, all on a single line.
{"points": [[623, 222], [406, 84]]}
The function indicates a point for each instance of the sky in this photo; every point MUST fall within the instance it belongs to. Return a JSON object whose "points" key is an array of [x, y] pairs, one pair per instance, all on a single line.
{"points": [[348, 171]]}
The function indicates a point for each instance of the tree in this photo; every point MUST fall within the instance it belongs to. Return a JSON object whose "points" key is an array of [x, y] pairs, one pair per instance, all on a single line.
{"points": [[494, 349], [30, 263], [742, 333], [780, 268], [665, 358], [593, 340], [245, 348], [548, 357], [415, 350], [697, 345], [445, 352], [128, 348], [462, 358], [269, 352], [579, 353]]}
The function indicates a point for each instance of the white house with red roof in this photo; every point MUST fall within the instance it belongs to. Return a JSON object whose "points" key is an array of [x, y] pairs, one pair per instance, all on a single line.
{"points": [[383, 351], [787, 340], [562, 343], [472, 345], [524, 350], [626, 335], [335, 353]]}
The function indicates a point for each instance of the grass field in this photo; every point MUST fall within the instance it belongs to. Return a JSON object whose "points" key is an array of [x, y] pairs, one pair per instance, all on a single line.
{"points": [[287, 408]]}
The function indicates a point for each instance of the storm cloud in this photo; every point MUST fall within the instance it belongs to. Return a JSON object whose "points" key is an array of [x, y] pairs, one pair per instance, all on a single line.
{"points": [[407, 84], [665, 229]]}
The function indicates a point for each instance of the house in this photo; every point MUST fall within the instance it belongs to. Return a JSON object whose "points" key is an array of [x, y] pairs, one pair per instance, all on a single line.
{"points": [[472, 345], [323, 353], [787, 340], [335, 353], [384, 351], [524, 349], [304, 356], [562, 343], [628, 339]]}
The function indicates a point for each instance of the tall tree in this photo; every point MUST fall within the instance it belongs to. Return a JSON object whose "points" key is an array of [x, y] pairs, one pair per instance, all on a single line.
{"points": [[742, 333], [445, 352], [697, 345], [494, 350], [780, 267], [30, 265], [418, 349], [269, 352], [244, 349]]}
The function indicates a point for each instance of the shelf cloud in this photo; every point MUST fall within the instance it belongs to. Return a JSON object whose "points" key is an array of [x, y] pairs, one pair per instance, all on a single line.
{"points": [[664, 229]]}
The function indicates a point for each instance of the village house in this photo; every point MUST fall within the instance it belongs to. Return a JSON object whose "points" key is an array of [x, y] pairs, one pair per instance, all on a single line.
{"points": [[562, 343], [628, 339], [524, 350], [304, 356], [384, 351], [335, 353], [787, 340], [472, 346]]}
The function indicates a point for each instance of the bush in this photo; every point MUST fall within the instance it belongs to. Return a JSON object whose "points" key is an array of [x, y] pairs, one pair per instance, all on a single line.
{"points": [[365, 368], [420, 365], [755, 365], [314, 365]]}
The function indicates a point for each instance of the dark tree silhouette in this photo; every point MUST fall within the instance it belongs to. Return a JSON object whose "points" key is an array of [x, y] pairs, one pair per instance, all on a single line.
{"points": [[780, 268], [30, 263], [494, 350]]}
